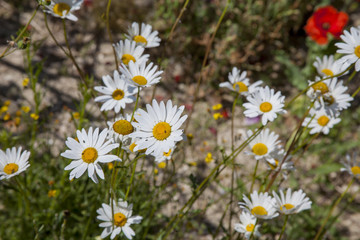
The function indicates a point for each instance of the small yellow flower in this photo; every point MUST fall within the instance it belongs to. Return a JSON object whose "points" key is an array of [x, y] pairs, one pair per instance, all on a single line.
{"points": [[156, 171], [194, 164], [52, 193], [216, 116], [17, 121], [209, 158], [34, 116], [6, 117], [110, 166], [217, 106], [4, 109], [162, 165], [7, 103], [189, 136], [76, 115], [26, 109], [25, 82], [18, 113]]}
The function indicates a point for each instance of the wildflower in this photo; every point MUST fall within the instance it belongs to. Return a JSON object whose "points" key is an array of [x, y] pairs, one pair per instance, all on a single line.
{"points": [[13, 162], [164, 156], [144, 35], [76, 115], [291, 203], [350, 47], [110, 165], [88, 153], [263, 144], [209, 158], [140, 74], [63, 8], [26, 109], [320, 121], [34, 116], [192, 163], [216, 116], [328, 67], [156, 171], [52, 193], [190, 136], [18, 113], [7, 117], [25, 82], [351, 165], [275, 158], [217, 107], [325, 20], [127, 51], [4, 109], [264, 102], [158, 128], [117, 93], [17, 121], [119, 222], [7, 103], [240, 83], [162, 165], [121, 128], [261, 205], [247, 225]]}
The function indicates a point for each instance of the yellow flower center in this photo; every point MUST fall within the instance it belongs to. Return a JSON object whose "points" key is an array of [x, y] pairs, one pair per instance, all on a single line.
{"points": [[323, 121], [259, 210], [11, 168], [161, 131], [287, 206], [250, 227], [123, 127], [327, 72], [89, 155], [118, 94], [259, 149], [265, 107], [240, 86], [119, 219], [59, 8], [357, 51], [162, 165], [140, 39], [320, 86], [126, 58], [274, 166], [140, 80], [167, 154], [132, 146], [329, 99], [355, 170]]}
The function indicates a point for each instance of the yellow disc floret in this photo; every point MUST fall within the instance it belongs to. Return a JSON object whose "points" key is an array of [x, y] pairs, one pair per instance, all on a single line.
{"points": [[240, 87], [287, 206], [260, 149], [140, 80], [265, 107], [119, 219], [118, 94], [327, 72], [123, 127], [323, 121], [320, 86], [59, 8], [126, 58], [357, 51], [11, 168], [161, 131], [89, 155], [140, 39], [259, 210], [250, 227], [355, 170]]}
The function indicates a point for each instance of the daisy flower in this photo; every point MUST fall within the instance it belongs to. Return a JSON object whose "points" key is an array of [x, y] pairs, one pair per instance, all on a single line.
{"points": [[238, 82], [264, 102], [88, 152], [328, 67], [117, 93], [119, 222], [318, 87], [130, 148], [158, 128], [350, 47], [127, 51], [247, 225], [13, 162], [263, 144], [144, 35], [291, 203], [351, 165], [275, 158], [164, 156], [63, 8], [261, 205], [320, 121], [120, 128], [140, 74]]}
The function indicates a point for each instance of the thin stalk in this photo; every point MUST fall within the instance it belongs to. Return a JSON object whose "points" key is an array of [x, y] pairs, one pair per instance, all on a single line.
{"points": [[283, 227], [356, 92], [178, 19], [136, 104], [254, 176], [131, 179], [352, 76], [318, 234], [21, 33], [252, 232], [208, 47], [109, 31]]}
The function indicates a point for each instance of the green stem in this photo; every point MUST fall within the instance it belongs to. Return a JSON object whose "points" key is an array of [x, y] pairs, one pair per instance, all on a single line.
{"points": [[178, 19], [253, 230], [109, 31], [352, 76], [136, 104], [254, 176], [283, 228], [318, 234], [356, 92], [131, 179]]}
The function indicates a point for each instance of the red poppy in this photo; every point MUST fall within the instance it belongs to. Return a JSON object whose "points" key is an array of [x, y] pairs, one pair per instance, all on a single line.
{"points": [[326, 20]]}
